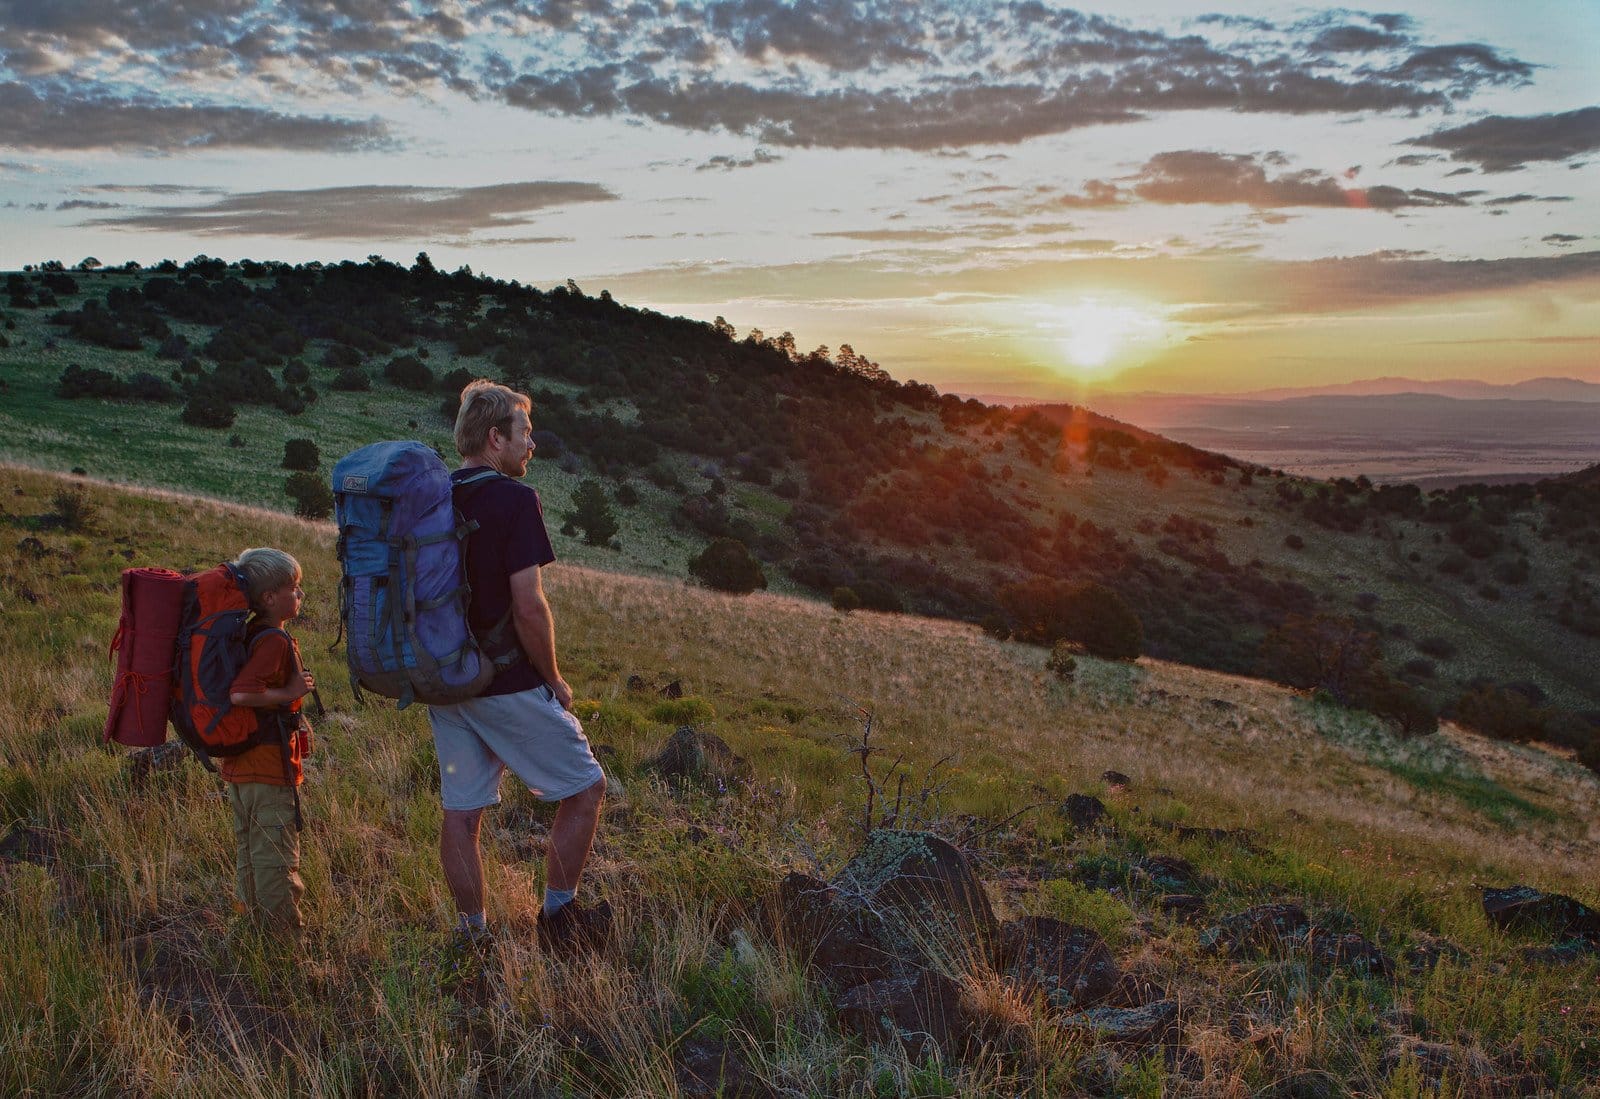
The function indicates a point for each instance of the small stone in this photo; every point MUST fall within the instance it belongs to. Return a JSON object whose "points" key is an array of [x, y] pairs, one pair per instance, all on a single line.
{"points": [[1521, 907], [1115, 778], [1131, 1025], [1071, 965], [711, 1069], [917, 1009], [1350, 952], [1083, 811], [1265, 926], [1182, 906]]}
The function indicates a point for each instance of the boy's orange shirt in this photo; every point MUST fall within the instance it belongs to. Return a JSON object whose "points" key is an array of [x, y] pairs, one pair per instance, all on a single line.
{"points": [[274, 658]]}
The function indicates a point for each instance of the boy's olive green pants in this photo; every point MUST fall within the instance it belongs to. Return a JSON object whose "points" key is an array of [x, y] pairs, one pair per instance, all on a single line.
{"points": [[267, 857]]}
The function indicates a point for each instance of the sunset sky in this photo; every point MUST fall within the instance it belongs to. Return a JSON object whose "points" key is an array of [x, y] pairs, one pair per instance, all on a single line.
{"points": [[1015, 198]]}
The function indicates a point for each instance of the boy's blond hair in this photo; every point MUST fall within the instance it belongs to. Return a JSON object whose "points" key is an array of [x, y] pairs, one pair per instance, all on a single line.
{"points": [[266, 569], [485, 404]]}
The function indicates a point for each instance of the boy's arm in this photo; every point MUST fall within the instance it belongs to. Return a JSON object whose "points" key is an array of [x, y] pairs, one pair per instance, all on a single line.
{"points": [[253, 686]]}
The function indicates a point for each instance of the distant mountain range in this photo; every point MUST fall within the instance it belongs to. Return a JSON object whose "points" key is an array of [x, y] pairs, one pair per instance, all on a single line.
{"points": [[1396, 429]]}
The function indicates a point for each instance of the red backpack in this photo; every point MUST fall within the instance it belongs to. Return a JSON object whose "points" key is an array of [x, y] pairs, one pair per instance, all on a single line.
{"points": [[180, 644]]}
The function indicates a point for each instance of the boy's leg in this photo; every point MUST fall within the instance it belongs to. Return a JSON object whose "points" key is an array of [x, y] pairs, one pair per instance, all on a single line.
{"points": [[275, 855], [244, 881]]}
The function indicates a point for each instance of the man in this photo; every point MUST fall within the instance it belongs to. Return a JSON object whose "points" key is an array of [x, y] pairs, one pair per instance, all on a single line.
{"points": [[523, 720]]}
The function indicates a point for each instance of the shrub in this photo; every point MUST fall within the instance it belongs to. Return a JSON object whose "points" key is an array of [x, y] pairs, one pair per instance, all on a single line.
{"points": [[1418, 668], [726, 565], [295, 372], [1589, 755], [205, 410], [352, 379], [455, 381], [1399, 705], [409, 372], [682, 711], [1440, 648], [846, 600], [73, 509], [1295, 542], [1500, 713], [1046, 611], [626, 495], [301, 454], [1063, 662], [592, 514], [312, 498]]}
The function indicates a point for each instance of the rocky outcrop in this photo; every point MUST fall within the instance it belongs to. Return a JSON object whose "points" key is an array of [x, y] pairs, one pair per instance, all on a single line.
{"points": [[703, 759], [1070, 966]]}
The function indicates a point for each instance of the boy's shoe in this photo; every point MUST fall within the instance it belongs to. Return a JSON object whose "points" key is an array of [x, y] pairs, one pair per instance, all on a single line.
{"points": [[574, 929]]}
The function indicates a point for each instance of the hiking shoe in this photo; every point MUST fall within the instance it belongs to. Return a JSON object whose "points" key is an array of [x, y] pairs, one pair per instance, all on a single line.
{"points": [[574, 929]]}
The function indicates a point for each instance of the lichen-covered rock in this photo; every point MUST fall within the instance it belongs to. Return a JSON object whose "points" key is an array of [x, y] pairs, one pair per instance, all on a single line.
{"points": [[145, 762], [1429, 950], [919, 1008], [1130, 1025], [703, 758], [710, 1069], [1187, 907], [919, 896], [1070, 965], [1084, 812], [1263, 927], [1170, 872], [1349, 952], [1523, 908]]}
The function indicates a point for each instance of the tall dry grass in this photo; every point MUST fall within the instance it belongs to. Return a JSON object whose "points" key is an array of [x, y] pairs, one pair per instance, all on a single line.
{"points": [[127, 974]]}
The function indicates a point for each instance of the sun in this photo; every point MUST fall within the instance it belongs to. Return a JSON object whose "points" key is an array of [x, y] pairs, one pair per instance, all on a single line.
{"points": [[1098, 336]]}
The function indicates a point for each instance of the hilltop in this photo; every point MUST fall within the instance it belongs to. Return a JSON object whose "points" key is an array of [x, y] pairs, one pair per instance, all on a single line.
{"points": [[842, 483], [1279, 895]]}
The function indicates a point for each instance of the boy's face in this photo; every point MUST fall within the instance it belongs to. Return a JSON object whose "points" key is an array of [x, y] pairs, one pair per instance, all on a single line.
{"points": [[283, 603]]}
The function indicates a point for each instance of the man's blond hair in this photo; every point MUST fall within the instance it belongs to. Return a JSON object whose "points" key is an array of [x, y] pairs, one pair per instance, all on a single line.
{"points": [[266, 569], [485, 404]]}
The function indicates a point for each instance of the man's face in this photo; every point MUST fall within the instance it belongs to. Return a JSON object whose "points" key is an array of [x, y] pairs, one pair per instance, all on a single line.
{"points": [[514, 448]]}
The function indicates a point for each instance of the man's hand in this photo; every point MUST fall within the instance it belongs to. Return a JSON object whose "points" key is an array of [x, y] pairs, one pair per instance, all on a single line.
{"points": [[562, 692], [301, 689]]}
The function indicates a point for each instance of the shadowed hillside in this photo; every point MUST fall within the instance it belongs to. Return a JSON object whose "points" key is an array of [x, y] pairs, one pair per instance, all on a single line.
{"points": [[839, 481]]}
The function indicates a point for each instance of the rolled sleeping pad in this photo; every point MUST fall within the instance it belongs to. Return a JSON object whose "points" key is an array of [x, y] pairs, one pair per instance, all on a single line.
{"points": [[145, 646]]}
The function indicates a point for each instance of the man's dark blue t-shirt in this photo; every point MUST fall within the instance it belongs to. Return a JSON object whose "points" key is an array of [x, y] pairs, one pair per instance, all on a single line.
{"points": [[510, 537]]}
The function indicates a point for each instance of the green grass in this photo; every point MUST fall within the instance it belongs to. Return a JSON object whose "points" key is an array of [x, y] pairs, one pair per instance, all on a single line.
{"points": [[1481, 794]]}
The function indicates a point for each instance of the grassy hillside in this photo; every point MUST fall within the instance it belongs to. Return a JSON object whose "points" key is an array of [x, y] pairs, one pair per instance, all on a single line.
{"points": [[125, 972], [834, 475]]}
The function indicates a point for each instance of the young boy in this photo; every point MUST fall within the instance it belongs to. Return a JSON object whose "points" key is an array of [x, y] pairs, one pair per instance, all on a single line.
{"points": [[260, 788]]}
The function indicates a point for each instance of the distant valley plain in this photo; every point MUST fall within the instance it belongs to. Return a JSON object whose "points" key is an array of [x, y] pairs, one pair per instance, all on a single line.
{"points": [[1427, 438]]}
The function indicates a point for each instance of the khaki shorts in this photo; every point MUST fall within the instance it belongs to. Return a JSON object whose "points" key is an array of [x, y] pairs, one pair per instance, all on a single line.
{"points": [[528, 732]]}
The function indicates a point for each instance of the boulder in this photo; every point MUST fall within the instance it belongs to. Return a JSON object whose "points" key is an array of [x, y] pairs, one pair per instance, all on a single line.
{"points": [[703, 758], [1084, 812], [919, 897], [1129, 1025], [1182, 906], [1523, 908], [1263, 927], [1070, 965], [1350, 952], [919, 1008], [1170, 872], [710, 1069], [1429, 950]]}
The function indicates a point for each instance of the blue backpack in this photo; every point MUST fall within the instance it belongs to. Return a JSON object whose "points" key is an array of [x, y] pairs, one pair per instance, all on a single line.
{"points": [[403, 595]]}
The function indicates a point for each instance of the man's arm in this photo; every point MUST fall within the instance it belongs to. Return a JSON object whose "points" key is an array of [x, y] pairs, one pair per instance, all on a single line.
{"points": [[536, 629]]}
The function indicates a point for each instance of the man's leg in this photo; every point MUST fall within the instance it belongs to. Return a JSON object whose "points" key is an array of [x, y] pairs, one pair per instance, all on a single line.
{"points": [[463, 862], [571, 836]]}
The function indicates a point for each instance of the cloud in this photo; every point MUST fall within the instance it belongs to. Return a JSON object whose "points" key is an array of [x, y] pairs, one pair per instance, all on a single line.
{"points": [[153, 189], [1560, 240], [1519, 199], [366, 212], [941, 75], [80, 121], [730, 163], [1190, 176], [87, 204], [1502, 143]]}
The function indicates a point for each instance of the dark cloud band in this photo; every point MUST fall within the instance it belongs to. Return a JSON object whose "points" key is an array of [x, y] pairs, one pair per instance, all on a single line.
{"points": [[365, 213], [1501, 143]]}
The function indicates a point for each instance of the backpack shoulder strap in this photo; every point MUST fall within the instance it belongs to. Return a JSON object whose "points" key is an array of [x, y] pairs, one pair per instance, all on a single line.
{"points": [[476, 479]]}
